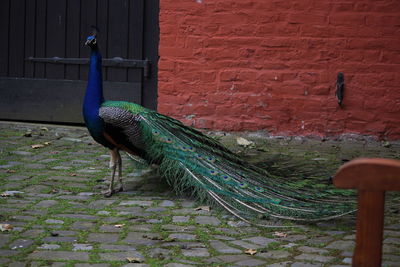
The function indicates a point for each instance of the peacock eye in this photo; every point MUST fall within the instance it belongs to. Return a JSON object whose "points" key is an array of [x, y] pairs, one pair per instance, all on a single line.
{"points": [[212, 172]]}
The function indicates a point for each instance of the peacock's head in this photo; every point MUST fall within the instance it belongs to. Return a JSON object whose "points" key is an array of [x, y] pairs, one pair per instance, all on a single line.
{"points": [[91, 41]]}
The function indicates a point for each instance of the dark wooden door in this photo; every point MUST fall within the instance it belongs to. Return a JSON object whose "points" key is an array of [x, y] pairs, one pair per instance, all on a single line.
{"points": [[36, 85]]}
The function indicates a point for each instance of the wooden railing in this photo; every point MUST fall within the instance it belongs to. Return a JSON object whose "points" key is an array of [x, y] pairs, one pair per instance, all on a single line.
{"points": [[371, 177]]}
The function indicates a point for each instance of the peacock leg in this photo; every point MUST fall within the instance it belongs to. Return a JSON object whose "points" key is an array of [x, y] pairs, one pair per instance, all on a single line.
{"points": [[113, 165], [121, 186]]}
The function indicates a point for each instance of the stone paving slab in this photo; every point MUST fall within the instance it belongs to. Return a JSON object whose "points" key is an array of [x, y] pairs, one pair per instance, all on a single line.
{"points": [[51, 198]]}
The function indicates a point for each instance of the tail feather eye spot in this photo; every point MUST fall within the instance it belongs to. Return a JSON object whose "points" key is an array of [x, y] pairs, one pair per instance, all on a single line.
{"points": [[259, 189], [213, 172], [210, 159], [226, 178], [156, 133], [276, 201], [165, 140], [243, 185], [191, 149]]}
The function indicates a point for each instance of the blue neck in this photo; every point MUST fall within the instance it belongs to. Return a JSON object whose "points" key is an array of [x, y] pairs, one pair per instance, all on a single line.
{"points": [[94, 94]]}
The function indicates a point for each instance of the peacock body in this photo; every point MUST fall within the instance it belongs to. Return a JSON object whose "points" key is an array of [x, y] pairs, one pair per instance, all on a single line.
{"points": [[190, 160]]}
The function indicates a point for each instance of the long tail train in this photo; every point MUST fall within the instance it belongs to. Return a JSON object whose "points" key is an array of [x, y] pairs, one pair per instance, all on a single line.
{"points": [[190, 160]]}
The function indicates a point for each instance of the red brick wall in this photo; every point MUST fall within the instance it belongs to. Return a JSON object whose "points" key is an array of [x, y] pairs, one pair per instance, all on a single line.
{"points": [[272, 65]]}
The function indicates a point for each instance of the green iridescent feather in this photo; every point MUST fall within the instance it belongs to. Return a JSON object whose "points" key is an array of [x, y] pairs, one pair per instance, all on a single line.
{"points": [[192, 161]]}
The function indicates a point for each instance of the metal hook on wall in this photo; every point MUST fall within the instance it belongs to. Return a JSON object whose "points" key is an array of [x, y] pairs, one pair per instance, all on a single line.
{"points": [[340, 88]]}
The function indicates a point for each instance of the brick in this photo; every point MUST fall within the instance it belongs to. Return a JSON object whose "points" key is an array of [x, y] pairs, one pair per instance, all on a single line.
{"points": [[208, 76], [302, 5], [310, 30], [386, 6], [204, 123], [308, 77], [339, 7], [363, 6], [176, 51], [213, 54], [228, 75], [347, 19], [165, 64], [307, 18], [280, 42], [204, 110], [319, 90], [390, 57], [382, 20], [176, 99], [358, 43]]}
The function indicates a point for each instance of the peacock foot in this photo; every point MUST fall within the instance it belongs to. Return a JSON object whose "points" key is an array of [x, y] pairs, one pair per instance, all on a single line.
{"points": [[107, 193], [119, 189]]}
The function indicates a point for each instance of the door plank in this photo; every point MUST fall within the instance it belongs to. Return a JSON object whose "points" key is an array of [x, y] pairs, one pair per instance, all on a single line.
{"points": [[55, 41], [135, 38], [117, 37], [72, 38], [30, 15], [150, 50], [102, 25], [40, 40], [88, 18], [16, 38], [4, 30]]}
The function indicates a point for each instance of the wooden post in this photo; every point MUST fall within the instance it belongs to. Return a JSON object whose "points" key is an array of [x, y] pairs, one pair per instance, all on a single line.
{"points": [[371, 177], [369, 228]]}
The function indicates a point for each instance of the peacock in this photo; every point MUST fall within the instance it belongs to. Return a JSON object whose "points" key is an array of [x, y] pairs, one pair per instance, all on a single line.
{"points": [[192, 161]]}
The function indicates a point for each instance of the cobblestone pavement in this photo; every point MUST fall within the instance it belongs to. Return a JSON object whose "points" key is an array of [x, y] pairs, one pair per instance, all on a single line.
{"points": [[52, 212]]}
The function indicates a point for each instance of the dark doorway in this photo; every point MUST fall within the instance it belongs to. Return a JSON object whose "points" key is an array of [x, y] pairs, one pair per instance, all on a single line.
{"points": [[43, 66]]}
